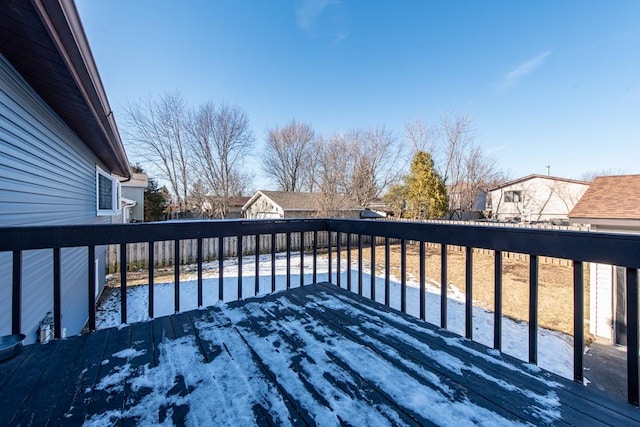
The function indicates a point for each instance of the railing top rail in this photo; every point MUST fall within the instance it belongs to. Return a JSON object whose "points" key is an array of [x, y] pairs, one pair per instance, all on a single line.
{"points": [[43, 237], [609, 248]]}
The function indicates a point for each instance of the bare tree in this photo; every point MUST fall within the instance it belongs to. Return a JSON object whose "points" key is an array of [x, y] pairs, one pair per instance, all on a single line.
{"points": [[422, 136], [157, 132], [376, 159], [288, 156], [464, 166], [331, 176], [221, 141], [591, 175]]}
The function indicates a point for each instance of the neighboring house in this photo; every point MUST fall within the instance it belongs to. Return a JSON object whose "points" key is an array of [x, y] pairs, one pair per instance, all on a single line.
{"points": [[535, 198], [132, 199], [235, 207], [59, 146], [461, 205], [289, 204], [611, 204]]}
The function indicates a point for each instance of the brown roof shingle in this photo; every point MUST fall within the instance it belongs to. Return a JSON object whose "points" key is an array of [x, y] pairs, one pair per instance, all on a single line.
{"points": [[610, 197]]}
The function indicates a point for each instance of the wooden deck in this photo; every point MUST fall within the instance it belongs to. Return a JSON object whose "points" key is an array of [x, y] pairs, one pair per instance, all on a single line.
{"points": [[315, 355]]}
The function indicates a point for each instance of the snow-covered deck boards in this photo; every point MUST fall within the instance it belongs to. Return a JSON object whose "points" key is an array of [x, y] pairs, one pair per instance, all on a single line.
{"points": [[311, 355]]}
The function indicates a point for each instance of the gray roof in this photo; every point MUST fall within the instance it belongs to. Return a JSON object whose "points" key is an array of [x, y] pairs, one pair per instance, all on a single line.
{"points": [[303, 201]]}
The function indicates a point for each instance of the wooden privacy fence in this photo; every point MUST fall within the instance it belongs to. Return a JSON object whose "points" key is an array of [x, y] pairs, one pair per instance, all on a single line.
{"points": [[138, 253]]}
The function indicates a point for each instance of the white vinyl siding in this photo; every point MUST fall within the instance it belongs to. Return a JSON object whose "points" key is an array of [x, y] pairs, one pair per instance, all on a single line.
{"points": [[47, 177], [601, 300]]}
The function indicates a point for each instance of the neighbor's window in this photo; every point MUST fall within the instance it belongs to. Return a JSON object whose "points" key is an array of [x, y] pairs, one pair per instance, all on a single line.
{"points": [[513, 196], [107, 193]]}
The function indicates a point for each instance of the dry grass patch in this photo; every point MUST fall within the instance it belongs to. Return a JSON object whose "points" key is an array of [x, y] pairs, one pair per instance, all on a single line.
{"points": [[555, 281]]}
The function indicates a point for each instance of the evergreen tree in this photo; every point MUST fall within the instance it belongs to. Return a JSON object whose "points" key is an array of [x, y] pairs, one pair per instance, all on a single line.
{"points": [[425, 191], [156, 201]]}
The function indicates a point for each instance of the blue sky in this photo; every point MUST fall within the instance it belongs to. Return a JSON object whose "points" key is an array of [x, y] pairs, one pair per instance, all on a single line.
{"points": [[547, 82]]}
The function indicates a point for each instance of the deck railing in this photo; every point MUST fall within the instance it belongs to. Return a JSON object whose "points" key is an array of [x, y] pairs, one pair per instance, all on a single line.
{"points": [[579, 247]]}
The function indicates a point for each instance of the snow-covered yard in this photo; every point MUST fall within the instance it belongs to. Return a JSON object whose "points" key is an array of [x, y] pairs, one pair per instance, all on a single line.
{"points": [[555, 350]]}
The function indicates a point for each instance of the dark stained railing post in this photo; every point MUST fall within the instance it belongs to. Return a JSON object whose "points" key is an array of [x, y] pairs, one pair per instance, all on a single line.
{"points": [[16, 293], [403, 276], [578, 320], [349, 261], [239, 238], [288, 243], [199, 267], [176, 275], [373, 267], [468, 293], [497, 312], [387, 272], [315, 256], [152, 263], [632, 336], [443, 286], [422, 273], [123, 283], [256, 290], [273, 262], [57, 294], [533, 309], [359, 264], [338, 250], [91, 268], [221, 268]]}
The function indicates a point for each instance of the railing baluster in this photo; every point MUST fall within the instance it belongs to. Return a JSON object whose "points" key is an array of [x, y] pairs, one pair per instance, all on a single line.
{"points": [[16, 293], [533, 309], [578, 320], [359, 264], [91, 269], [443, 285], [57, 294], [330, 255], [423, 296], [403, 276], [497, 298], [632, 336], [273, 262], [256, 290], [199, 267], [301, 258], [468, 293], [338, 250], [387, 264], [152, 262], [123, 283], [349, 261], [373, 268], [239, 238], [288, 243], [221, 268], [315, 256], [176, 275]]}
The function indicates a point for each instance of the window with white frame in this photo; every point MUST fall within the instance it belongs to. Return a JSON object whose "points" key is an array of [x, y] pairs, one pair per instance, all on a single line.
{"points": [[512, 196], [107, 193]]}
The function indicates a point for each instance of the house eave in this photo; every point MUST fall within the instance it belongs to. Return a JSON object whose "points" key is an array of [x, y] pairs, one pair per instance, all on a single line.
{"points": [[607, 222], [59, 66]]}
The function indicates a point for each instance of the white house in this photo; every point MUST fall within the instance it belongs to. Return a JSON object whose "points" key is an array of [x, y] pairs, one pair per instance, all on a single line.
{"points": [[132, 198], [535, 198], [611, 204], [290, 204], [59, 147]]}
